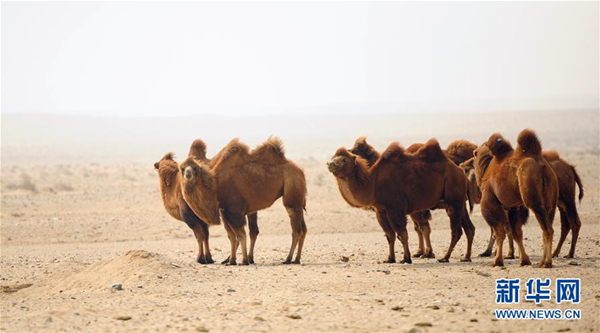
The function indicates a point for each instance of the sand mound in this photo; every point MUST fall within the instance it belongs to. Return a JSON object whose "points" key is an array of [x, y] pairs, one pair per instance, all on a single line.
{"points": [[130, 269]]}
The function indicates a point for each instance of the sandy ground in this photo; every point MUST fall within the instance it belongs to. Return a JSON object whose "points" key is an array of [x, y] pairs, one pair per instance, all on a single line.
{"points": [[73, 227]]}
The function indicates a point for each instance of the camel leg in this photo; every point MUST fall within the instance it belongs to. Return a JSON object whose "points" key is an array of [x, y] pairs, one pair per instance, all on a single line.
{"points": [[575, 223], [296, 216], [398, 222], [301, 241], [253, 228], [390, 234], [488, 250], [417, 227], [547, 234], [496, 217], [426, 230], [509, 235], [231, 260], [240, 234], [564, 231], [454, 212], [516, 233], [207, 254], [200, 236], [469, 230]]}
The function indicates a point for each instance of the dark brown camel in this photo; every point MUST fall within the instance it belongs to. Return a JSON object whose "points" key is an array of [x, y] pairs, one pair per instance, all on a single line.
{"points": [[456, 151], [388, 186]]}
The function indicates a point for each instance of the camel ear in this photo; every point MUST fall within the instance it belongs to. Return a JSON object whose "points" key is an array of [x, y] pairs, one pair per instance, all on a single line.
{"points": [[156, 165]]}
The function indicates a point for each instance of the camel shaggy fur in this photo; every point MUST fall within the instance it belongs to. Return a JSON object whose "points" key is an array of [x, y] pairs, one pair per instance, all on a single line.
{"points": [[198, 151], [568, 179], [241, 182], [457, 151], [388, 186], [176, 206], [517, 178]]}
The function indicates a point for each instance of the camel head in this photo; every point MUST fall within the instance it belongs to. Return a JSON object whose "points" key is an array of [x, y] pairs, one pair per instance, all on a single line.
{"points": [[343, 163], [468, 167], [200, 189], [167, 169]]}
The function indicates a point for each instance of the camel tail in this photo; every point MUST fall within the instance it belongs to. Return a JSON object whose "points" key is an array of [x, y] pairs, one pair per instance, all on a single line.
{"points": [[470, 199], [579, 184], [529, 144]]}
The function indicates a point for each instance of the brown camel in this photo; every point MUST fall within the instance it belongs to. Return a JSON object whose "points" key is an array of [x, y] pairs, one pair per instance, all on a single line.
{"points": [[457, 151], [198, 151], [388, 186], [242, 182], [172, 197], [568, 179], [518, 178]]}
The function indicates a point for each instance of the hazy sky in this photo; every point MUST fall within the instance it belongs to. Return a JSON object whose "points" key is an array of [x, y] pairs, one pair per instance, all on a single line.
{"points": [[160, 58]]}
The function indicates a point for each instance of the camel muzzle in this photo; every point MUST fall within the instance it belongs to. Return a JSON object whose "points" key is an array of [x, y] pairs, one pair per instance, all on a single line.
{"points": [[188, 173]]}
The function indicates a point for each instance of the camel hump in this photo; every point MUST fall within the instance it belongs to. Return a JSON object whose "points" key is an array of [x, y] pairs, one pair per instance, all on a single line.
{"points": [[169, 156], [414, 147], [431, 152], [551, 155], [270, 150], [198, 149], [498, 145], [394, 151], [361, 141], [461, 148], [528, 143], [235, 148]]}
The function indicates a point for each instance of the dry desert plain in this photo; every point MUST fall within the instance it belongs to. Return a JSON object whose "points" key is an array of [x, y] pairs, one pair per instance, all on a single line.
{"points": [[81, 212]]}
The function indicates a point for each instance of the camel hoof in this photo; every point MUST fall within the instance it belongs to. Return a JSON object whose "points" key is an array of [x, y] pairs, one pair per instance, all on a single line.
{"points": [[545, 265], [429, 255], [296, 262], [251, 261], [526, 262], [390, 261], [509, 256], [418, 255], [498, 264], [569, 256], [406, 261], [287, 262], [210, 261], [556, 254], [486, 254], [231, 263], [443, 260], [465, 259], [245, 263], [225, 262]]}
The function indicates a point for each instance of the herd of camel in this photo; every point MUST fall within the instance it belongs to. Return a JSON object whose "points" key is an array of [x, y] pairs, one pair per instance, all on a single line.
{"points": [[506, 182]]}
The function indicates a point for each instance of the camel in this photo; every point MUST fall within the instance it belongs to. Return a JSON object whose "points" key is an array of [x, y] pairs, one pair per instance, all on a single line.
{"points": [[240, 183], [176, 206], [517, 179], [568, 179], [457, 151], [198, 151], [388, 186]]}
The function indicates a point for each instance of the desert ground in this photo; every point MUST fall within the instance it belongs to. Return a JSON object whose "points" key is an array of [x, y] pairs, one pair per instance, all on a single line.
{"points": [[81, 212]]}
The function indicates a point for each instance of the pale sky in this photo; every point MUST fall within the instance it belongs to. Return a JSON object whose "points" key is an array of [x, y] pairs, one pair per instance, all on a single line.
{"points": [[257, 58]]}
